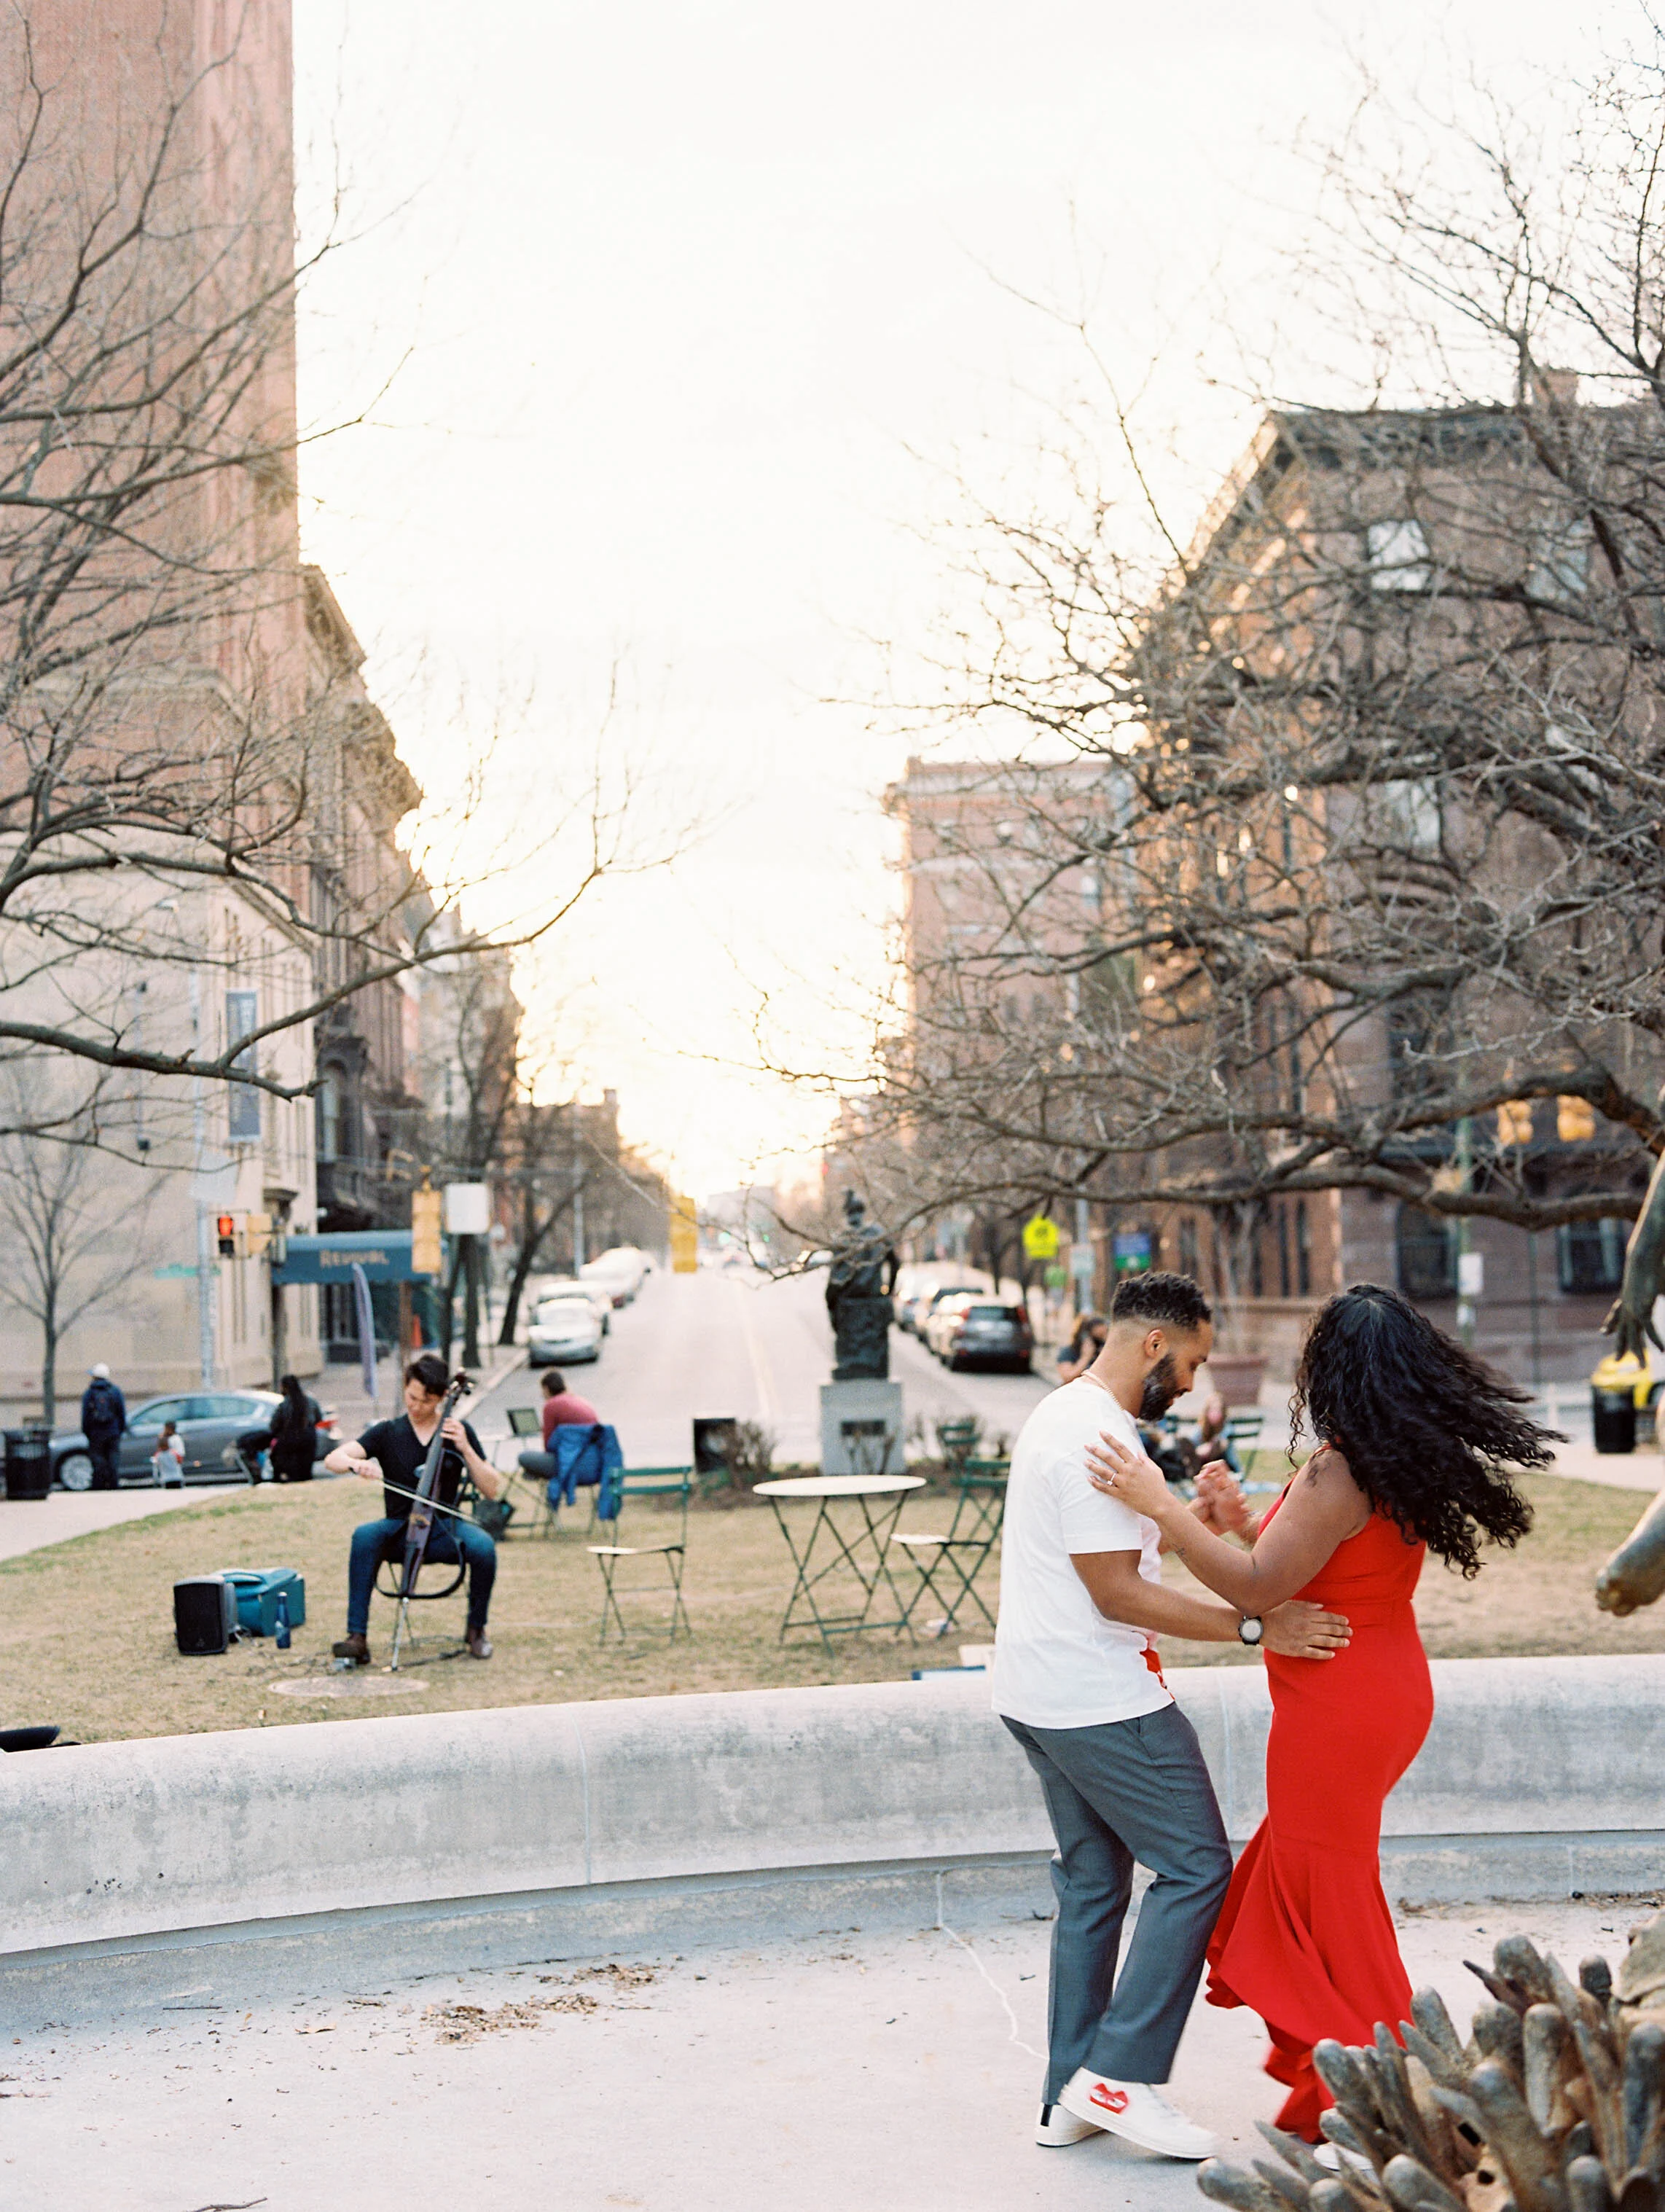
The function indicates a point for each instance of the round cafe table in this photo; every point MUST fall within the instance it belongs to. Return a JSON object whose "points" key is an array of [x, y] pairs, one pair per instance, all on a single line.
{"points": [[856, 1516]]}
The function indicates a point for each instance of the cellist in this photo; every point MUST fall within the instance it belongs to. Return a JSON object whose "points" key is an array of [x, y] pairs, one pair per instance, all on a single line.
{"points": [[392, 1453]]}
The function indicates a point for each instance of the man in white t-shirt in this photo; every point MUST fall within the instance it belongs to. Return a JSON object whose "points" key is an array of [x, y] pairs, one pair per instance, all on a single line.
{"points": [[1078, 1680]]}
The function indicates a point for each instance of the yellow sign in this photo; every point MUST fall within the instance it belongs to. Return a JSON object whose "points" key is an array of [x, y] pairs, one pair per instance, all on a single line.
{"points": [[1040, 1237], [684, 1238], [426, 1208]]}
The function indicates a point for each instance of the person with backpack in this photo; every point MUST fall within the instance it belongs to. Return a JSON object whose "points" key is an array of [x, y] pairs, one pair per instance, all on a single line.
{"points": [[103, 1423]]}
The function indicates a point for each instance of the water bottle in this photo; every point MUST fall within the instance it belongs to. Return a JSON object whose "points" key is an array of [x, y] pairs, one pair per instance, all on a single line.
{"points": [[284, 1638]]}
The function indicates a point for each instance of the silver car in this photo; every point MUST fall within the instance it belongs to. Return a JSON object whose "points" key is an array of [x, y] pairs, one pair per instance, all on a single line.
{"points": [[210, 1423], [565, 1330]]}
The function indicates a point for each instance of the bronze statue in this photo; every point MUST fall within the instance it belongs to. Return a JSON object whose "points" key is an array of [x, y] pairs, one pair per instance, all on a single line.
{"points": [[859, 1280], [1635, 1574]]}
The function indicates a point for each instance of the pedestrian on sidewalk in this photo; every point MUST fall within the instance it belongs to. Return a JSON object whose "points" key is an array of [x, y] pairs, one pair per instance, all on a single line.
{"points": [[168, 1460], [1077, 1681], [295, 1432], [103, 1423], [562, 1408]]}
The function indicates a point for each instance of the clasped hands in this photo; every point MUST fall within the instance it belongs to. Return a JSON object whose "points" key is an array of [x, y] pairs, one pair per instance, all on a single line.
{"points": [[1296, 1629]]}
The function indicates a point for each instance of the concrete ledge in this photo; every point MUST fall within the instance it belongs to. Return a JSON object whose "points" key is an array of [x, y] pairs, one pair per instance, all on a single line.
{"points": [[581, 1828]]}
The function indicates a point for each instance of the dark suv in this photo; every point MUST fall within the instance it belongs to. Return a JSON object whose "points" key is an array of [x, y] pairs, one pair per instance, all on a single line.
{"points": [[983, 1334]]}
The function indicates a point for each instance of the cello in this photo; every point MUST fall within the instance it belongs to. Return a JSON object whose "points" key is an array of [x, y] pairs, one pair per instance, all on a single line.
{"points": [[420, 1524]]}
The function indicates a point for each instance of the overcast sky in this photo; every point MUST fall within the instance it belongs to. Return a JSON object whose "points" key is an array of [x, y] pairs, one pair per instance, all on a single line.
{"points": [[691, 305]]}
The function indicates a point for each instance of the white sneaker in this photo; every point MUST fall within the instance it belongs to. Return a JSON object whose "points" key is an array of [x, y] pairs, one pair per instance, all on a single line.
{"points": [[1339, 2161], [1056, 2127], [1137, 2112]]}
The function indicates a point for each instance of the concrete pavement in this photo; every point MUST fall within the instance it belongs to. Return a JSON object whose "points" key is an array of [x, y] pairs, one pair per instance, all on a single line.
{"points": [[725, 1341], [29, 1524], [848, 2072]]}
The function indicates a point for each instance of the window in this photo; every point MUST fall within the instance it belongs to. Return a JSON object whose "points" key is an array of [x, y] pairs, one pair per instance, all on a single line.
{"points": [[242, 1103], [1560, 560], [1591, 1255], [1514, 1121], [1398, 557], [1427, 1256], [329, 1116], [1302, 1250], [1408, 813], [1575, 1120], [1283, 1252]]}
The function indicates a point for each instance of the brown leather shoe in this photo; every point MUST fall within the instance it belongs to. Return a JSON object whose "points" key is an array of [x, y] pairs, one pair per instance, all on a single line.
{"points": [[478, 1644], [355, 1648]]}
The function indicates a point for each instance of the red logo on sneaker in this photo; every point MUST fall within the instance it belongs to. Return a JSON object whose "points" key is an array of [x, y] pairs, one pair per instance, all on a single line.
{"points": [[1108, 2100]]}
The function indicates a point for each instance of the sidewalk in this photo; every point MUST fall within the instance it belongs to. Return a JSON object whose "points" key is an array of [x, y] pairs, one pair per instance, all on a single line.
{"points": [[838, 2074], [29, 1524]]}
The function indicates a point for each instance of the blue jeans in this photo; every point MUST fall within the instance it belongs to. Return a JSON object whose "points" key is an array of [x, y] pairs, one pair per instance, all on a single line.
{"points": [[448, 1541]]}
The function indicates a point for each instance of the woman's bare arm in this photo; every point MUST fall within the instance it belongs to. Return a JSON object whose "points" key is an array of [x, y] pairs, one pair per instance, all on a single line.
{"points": [[1322, 1508]]}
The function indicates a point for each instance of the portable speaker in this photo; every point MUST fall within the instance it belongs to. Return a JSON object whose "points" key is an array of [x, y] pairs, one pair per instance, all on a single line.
{"points": [[205, 1614]]}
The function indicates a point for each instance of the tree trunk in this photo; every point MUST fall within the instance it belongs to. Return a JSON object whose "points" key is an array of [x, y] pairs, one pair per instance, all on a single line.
{"points": [[49, 1365]]}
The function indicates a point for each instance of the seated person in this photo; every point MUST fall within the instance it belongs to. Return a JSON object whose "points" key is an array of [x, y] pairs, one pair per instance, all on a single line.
{"points": [[561, 1408], [1076, 1357], [392, 1453]]}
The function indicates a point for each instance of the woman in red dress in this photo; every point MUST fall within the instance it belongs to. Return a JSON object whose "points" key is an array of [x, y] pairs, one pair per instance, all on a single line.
{"points": [[1413, 1436]]}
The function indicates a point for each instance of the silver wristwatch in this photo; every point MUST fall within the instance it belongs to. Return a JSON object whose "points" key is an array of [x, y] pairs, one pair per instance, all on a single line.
{"points": [[1250, 1629]]}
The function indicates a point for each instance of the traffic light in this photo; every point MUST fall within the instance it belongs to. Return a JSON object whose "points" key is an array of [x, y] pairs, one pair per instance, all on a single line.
{"points": [[228, 1236]]}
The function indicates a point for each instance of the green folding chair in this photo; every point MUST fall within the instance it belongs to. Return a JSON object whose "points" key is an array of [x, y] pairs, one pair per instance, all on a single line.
{"points": [[1242, 1433], [664, 1484], [948, 1565], [526, 1427], [956, 1440]]}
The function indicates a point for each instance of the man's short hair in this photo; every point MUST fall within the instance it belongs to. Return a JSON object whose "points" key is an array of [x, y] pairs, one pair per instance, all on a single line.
{"points": [[1162, 1301], [554, 1381], [430, 1372]]}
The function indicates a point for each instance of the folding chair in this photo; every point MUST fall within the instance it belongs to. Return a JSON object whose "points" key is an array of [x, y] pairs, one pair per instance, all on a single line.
{"points": [[958, 1557], [956, 1440], [1242, 1437], [526, 1424], [391, 1566], [664, 1483]]}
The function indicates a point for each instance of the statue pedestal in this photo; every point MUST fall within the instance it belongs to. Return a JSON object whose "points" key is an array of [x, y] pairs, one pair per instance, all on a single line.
{"points": [[861, 1428]]}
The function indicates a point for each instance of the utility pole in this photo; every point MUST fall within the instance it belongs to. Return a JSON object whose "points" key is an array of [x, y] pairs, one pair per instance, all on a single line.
{"points": [[1467, 1288]]}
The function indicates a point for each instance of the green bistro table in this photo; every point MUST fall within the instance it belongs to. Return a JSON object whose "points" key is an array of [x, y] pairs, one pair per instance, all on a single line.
{"points": [[857, 1547]]}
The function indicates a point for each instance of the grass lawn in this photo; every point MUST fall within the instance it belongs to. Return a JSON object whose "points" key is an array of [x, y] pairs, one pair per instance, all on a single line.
{"points": [[86, 1629]]}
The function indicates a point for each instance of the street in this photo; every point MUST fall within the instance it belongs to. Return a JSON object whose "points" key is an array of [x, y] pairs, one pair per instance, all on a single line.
{"points": [[726, 1342]]}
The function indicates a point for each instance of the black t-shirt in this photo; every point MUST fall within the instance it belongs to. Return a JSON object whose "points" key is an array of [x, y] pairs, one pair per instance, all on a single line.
{"points": [[401, 1453]]}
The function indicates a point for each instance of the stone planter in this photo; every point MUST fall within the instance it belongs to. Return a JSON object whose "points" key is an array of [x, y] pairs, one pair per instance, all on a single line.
{"points": [[1237, 1376]]}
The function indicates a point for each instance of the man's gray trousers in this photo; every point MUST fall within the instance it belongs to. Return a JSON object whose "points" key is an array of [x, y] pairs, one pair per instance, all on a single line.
{"points": [[1122, 1791]]}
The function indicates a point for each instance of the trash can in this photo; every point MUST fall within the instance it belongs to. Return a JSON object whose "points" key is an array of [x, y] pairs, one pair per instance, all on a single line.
{"points": [[714, 1450], [28, 1462], [1613, 1403]]}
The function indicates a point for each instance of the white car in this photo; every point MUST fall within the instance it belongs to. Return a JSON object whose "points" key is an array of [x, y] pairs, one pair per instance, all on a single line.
{"points": [[568, 1286], [565, 1330], [618, 1272]]}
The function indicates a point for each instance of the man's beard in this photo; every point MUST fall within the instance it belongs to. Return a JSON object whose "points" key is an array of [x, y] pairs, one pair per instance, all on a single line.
{"points": [[1161, 1387]]}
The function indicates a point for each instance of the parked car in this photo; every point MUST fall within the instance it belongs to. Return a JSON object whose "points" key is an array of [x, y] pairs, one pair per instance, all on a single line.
{"points": [[209, 1421], [619, 1271], [565, 1330], [568, 1286], [929, 1299], [978, 1332], [940, 1319]]}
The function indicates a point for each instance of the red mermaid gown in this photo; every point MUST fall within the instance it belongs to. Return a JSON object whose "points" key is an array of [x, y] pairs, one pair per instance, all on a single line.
{"points": [[1305, 1936]]}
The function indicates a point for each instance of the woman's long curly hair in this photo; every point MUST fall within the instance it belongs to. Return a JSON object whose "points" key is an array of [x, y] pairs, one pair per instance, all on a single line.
{"points": [[1426, 1430]]}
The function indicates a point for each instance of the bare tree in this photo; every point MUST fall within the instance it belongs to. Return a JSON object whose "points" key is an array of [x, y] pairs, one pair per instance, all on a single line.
{"points": [[1332, 857], [168, 729], [69, 1241]]}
